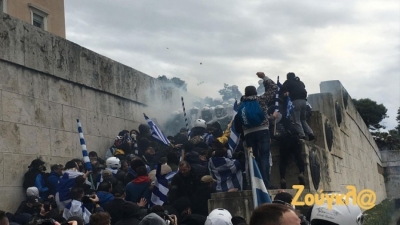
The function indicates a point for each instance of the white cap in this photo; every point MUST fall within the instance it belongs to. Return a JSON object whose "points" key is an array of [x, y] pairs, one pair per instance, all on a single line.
{"points": [[219, 217]]}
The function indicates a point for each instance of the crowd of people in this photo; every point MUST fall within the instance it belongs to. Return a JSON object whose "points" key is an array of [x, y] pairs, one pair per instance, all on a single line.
{"points": [[120, 187]]}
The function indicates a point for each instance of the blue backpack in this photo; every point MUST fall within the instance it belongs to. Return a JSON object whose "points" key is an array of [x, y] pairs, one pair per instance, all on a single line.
{"points": [[250, 113]]}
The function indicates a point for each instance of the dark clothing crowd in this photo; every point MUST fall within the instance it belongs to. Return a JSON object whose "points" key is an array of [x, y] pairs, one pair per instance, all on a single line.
{"points": [[123, 187]]}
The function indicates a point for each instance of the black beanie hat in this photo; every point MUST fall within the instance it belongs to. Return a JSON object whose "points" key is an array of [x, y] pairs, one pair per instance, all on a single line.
{"points": [[250, 90]]}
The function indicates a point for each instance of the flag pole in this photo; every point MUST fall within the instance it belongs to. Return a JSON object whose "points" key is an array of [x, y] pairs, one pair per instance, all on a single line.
{"points": [[184, 114], [251, 168], [85, 155], [276, 105]]}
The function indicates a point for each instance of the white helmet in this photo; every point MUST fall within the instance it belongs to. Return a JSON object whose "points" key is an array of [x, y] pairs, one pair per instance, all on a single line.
{"points": [[219, 111], [200, 123], [344, 213], [219, 217], [113, 163]]}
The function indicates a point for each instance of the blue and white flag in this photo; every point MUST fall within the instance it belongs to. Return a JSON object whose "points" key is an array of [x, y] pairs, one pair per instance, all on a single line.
{"points": [[170, 175], [65, 184], [160, 190], [234, 137], [277, 95], [289, 104], [289, 107], [260, 193], [86, 159], [76, 208], [227, 173], [156, 132]]}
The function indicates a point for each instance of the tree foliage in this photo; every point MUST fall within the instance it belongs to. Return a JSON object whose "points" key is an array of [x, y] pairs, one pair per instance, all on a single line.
{"points": [[371, 112], [175, 81], [230, 92]]}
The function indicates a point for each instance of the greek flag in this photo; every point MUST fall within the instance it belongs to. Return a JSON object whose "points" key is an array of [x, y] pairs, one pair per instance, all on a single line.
{"points": [[171, 175], [289, 104], [277, 95], [156, 132], [160, 190], [260, 193], [76, 208], [86, 159], [289, 107], [233, 139]]}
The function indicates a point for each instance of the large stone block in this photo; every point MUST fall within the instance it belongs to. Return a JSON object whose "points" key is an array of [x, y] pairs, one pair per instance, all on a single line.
{"points": [[48, 114], [74, 64], [70, 115], [39, 49], [28, 140], [89, 69], [115, 125], [1, 169], [11, 197], [60, 91], [18, 108], [1, 111], [97, 144], [61, 53], [61, 143], [15, 166], [107, 71], [9, 77], [85, 98], [96, 123], [25, 82], [41, 86], [10, 140], [12, 39], [34, 140], [105, 104]]}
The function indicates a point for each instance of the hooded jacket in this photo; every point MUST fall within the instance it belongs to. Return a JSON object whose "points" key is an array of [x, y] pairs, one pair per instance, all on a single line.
{"points": [[152, 219], [296, 89], [263, 100], [138, 188]]}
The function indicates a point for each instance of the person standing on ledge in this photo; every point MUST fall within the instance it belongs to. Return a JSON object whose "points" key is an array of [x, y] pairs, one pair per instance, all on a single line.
{"points": [[296, 90], [253, 116]]}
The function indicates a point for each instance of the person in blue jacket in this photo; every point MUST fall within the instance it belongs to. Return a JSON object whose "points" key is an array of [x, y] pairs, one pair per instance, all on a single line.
{"points": [[35, 178], [54, 178], [104, 193]]}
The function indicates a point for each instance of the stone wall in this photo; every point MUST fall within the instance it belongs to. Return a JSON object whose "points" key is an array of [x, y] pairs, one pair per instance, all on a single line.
{"points": [[391, 164], [350, 155], [46, 83]]}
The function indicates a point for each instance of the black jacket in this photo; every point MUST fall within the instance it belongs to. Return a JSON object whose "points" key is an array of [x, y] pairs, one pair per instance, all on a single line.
{"points": [[296, 89], [114, 208], [184, 186]]}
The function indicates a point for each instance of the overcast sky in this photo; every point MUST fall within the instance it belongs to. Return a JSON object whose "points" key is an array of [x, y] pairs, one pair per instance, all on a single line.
{"points": [[216, 42]]}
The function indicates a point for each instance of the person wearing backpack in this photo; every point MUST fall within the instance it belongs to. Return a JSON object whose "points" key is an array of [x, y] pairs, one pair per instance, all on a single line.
{"points": [[252, 113], [296, 90]]}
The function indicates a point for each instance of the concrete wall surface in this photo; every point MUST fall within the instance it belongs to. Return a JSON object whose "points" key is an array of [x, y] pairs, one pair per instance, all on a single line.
{"points": [[351, 156], [391, 164], [46, 83]]}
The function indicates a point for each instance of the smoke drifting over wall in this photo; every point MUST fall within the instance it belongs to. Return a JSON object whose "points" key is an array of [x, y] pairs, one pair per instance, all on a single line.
{"points": [[163, 109]]}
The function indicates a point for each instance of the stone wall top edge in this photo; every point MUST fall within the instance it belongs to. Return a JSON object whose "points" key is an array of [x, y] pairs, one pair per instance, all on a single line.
{"points": [[39, 46]]}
